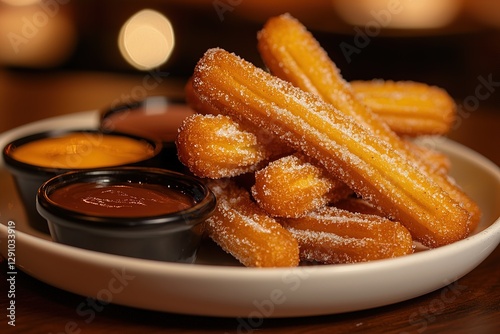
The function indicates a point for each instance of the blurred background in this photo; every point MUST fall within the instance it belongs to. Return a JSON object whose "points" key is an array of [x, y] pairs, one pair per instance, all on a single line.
{"points": [[64, 56]]}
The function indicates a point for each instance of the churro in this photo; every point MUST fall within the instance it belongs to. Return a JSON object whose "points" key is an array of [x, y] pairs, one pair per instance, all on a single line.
{"points": [[215, 147], [367, 163], [292, 187], [331, 235], [292, 53], [193, 100], [274, 147], [245, 231], [436, 162], [409, 108]]}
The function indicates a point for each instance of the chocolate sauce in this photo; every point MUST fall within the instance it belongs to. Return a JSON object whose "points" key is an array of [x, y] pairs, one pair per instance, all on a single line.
{"points": [[121, 200]]}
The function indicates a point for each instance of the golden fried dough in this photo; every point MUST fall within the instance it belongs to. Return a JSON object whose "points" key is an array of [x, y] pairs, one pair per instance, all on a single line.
{"points": [[215, 147], [292, 187], [368, 163], [409, 108], [331, 235], [245, 231], [292, 53]]}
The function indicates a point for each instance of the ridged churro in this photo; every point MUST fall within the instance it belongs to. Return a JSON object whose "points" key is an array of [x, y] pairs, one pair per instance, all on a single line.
{"points": [[368, 163], [274, 147], [409, 108], [193, 100], [245, 231], [331, 235], [215, 147], [437, 162], [292, 187], [292, 54]]}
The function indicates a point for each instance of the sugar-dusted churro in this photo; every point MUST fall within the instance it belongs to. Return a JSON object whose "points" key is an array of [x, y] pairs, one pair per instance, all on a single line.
{"points": [[331, 235], [436, 162], [409, 108], [193, 100], [293, 54], [245, 231], [367, 163], [215, 147], [274, 147], [292, 187]]}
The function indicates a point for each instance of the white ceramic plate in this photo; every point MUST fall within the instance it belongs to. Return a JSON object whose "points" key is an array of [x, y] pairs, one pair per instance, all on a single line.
{"points": [[216, 286]]}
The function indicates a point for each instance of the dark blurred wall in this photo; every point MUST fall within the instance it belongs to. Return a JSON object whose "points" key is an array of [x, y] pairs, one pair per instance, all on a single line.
{"points": [[455, 58]]}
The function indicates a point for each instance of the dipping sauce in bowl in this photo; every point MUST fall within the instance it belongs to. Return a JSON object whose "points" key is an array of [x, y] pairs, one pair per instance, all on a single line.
{"points": [[155, 117], [83, 149], [121, 199], [147, 213], [35, 158]]}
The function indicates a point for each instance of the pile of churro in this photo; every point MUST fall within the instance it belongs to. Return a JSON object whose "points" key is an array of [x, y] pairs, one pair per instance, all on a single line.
{"points": [[310, 168]]}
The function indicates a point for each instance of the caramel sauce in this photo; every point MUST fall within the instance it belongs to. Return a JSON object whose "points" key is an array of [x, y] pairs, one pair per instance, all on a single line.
{"points": [[83, 150]]}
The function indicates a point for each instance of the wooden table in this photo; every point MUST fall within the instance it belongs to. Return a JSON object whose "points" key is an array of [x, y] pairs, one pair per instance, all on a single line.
{"points": [[470, 305]]}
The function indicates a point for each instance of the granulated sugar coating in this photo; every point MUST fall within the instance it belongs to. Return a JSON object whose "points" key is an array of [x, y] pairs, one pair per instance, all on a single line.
{"points": [[293, 54], [245, 231], [306, 142], [369, 165], [407, 107], [291, 187], [331, 235], [215, 146]]}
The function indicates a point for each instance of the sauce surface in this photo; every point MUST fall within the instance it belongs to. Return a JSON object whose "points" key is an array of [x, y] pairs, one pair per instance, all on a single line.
{"points": [[83, 150], [120, 200], [158, 122]]}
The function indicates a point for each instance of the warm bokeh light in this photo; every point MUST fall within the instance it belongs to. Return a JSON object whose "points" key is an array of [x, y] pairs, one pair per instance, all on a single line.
{"points": [[36, 35], [402, 14], [146, 40]]}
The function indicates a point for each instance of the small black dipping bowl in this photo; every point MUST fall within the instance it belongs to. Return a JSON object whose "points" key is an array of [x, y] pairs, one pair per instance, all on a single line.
{"points": [[172, 237]]}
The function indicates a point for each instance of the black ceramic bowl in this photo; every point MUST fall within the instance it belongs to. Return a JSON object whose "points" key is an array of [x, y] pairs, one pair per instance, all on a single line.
{"points": [[157, 117], [170, 236], [30, 176]]}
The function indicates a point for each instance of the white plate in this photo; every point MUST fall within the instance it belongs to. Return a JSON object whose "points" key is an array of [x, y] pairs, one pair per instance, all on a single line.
{"points": [[215, 288]]}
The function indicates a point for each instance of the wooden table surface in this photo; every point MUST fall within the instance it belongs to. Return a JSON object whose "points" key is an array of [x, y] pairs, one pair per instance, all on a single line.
{"points": [[40, 308]]}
